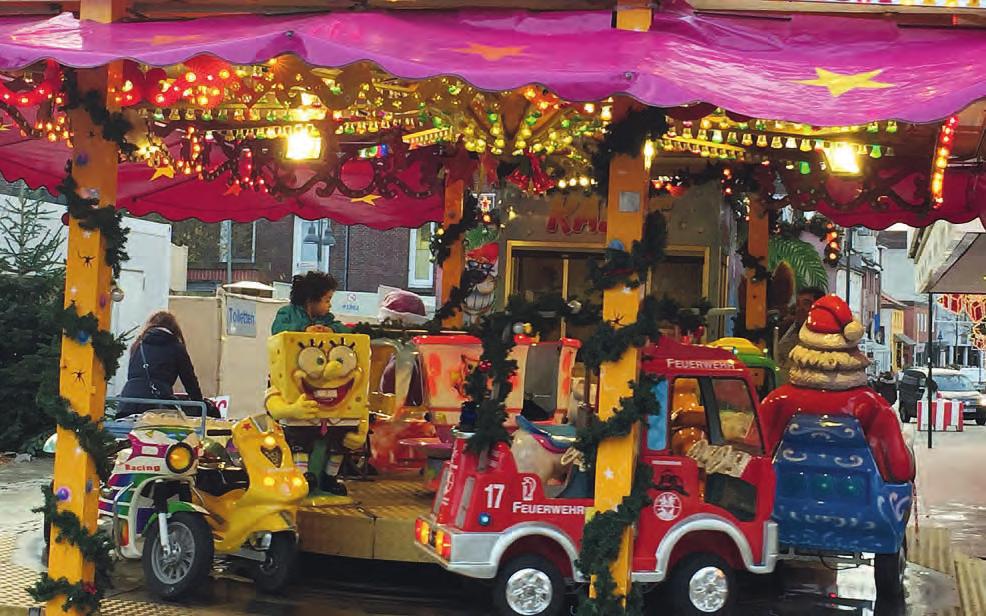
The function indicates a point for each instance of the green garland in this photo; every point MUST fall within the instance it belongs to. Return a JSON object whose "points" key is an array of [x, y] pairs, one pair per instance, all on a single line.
{"points": [[93, 438], [750, 262], [114, 124], [601, 546], [626, 137], [107, 347], [631, 268], [107, 220]]}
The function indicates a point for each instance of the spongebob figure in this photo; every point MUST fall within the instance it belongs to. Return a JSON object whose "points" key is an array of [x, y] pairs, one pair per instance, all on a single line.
{"points": [[319, 393]]}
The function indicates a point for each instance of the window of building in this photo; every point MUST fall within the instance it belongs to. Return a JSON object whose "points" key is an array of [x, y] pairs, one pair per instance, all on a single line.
{"points": [[313, 242], [420, 269]]}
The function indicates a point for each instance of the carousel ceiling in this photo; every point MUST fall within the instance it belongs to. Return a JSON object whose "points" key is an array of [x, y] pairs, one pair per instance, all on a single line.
{"points": [[326, 131]]}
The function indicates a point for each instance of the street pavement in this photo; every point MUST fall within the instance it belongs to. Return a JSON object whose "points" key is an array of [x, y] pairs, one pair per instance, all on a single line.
{"points": [[951, 484]]}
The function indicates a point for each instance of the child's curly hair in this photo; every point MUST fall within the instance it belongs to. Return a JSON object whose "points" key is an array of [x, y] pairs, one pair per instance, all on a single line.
{"points": [[311, 287]]}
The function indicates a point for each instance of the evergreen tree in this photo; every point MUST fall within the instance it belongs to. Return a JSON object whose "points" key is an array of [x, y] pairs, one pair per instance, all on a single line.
{"points": [[28, 246], [31, 285]]}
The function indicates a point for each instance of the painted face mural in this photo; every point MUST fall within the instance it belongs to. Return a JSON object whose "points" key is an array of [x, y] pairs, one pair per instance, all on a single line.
{"points": [[328, 369]]}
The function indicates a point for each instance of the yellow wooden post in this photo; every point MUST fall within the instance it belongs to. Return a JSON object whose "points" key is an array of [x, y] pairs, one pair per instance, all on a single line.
{"points": [[87, 285], [756, 243], [454, 265], [625, 211]]}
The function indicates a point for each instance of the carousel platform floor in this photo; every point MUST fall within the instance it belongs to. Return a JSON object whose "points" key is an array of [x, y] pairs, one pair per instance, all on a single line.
{"points": [[378, 524]]}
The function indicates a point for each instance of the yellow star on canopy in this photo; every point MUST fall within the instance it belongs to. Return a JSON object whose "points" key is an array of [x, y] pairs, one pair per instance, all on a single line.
{"points": [[368, 199], [838, 84], [166, 171], [491, 53]]}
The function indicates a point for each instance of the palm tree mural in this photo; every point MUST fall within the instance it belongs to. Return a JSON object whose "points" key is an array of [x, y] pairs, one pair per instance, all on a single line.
{"points": [[803, 260]]}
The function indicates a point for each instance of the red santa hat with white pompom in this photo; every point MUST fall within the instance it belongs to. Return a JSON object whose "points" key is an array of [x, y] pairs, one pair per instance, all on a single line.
{"points": [[831, 326]]}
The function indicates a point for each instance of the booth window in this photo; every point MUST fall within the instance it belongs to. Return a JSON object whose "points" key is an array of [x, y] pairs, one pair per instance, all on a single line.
{"points": [[420, 269], [540, 272]]}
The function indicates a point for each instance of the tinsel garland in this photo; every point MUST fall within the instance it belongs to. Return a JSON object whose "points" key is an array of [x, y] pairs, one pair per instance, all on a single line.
{"points": [[631, 268], [633, 409], [114, 124], [626, 137], [750, 262], [818, 225], [735, 182], [107, 220]]}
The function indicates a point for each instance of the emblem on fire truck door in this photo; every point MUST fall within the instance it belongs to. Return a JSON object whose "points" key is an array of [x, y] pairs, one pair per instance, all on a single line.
{"points": [[527, 487], [667, 506]]}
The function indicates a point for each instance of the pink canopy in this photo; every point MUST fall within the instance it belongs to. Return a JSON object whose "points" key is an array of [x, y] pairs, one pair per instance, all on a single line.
{"points": [[812, 69]]}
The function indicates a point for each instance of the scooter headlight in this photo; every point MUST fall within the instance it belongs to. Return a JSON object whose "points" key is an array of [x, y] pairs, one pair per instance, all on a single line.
{"points": [[272, 451], [179, 458]]}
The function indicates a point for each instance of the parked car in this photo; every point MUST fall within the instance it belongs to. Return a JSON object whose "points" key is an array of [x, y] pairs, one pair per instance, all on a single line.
{"points": [[951, 384]]}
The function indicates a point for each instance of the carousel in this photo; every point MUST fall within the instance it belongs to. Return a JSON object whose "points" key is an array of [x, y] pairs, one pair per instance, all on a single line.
{"points": [[783, 126]]}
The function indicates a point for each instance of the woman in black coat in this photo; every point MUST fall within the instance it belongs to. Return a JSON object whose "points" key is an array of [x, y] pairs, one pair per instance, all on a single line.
{"points": [[158, 358]]}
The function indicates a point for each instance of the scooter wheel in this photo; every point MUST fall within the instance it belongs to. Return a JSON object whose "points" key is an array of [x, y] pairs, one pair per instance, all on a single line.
{"points": [[177, 574], [274, 573], [702, 584]]}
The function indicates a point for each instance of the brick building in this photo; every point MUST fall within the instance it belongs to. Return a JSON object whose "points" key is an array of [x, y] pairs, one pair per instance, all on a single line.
{"points": [[266, 251]]}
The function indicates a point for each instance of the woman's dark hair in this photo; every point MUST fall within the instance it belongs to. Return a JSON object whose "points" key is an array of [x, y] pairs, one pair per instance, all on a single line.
{"points": [[311, 287], [164, 319]]}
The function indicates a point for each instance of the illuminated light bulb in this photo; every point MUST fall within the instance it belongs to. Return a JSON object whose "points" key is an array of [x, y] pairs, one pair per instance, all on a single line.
{"points": [[706, 123], [876, 152], [842, 158], [269, 482], [732, 138], [589, 108], [747, 139], [562, 183], [190, 77], [649, 153], [703, 135], [806, 145], [303, 145], [791, 143], [583, 181], [606, 114], [686, 133]]}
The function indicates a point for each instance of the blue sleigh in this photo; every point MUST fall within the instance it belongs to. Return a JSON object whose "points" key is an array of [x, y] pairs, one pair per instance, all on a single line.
{"points": [[832, 501]]}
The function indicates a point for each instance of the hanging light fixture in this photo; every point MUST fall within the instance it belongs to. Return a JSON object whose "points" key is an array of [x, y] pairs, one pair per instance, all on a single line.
{"points": [[842, 159], [303, 144]]}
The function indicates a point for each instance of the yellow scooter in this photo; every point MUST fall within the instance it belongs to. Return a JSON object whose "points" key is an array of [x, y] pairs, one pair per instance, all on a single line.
{"points": [[252, 496]]}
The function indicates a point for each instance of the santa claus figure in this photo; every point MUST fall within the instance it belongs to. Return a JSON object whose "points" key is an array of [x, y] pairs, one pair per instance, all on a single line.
{"points": [[828, 377]]}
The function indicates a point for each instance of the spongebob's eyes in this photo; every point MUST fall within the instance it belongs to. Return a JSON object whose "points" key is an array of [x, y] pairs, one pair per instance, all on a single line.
{"points": [[345, 356], [311, 360]]}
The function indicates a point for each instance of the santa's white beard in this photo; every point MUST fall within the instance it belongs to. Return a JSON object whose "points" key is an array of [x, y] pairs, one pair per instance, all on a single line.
{"points": [[816, 369]]}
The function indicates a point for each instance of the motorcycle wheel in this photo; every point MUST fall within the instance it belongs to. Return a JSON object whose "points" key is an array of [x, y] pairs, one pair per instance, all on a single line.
{"points": [[175, 575], [274, 573]]}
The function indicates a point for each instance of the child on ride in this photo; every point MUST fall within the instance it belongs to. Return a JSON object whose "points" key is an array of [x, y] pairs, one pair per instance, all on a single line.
{"points": [[310, 307], [310, 311]]}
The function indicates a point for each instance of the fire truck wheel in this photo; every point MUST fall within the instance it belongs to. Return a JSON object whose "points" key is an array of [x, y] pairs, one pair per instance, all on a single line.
{"points": [[702, 584], [528, 585], [888, 573]]}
